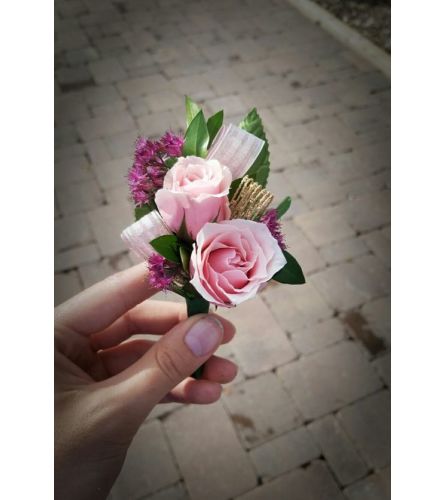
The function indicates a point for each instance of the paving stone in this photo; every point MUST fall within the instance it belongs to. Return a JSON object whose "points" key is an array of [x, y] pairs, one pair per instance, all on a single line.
{"points": [[72, 231], [79, 197], [258, 349], [258, 419], [368, 423], [148, 466], [97, 151], [374, 487], [142, 86], [315, 483], [378, 315], [75, 257], [109, 108], [164, 100], [348, 285], [155, 124], [291, 114], [343, 250], [336, 136], [383, 366], [66, 285], [328, 380], [100, 95], [377, 271], [368, 212], [122, 145], [112, 173], [296, 307], [318, 336], [380, 246], [323, 227], [176, 492], [72, 169], [93, 271], [107, 223], [209, 453], [107, 70], [232, 105], [284, 453], [103, 126], [70, 108], [342, 457]]}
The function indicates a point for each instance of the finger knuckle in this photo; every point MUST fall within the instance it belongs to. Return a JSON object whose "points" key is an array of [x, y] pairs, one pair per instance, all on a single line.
{"points": [[168, 362]]}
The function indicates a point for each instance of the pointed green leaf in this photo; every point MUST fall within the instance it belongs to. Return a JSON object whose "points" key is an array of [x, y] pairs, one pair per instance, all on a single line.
{"points": [[214, 124], [291, 273], [139, 212], [196, 137], [184, 254], [259, 171], [284, 206], [191, 109], [168, 247]]}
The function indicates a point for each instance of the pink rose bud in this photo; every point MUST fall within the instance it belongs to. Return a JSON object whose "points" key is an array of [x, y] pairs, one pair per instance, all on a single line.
{"points": [[194, 189], [232, 260], [138, 236]]}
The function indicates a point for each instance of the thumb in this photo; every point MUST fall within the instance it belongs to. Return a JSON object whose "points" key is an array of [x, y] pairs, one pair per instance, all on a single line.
{"points": [[173, 358]]}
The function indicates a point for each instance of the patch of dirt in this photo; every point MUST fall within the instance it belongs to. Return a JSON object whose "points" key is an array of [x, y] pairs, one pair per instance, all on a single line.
{"points": [[371, 18]]}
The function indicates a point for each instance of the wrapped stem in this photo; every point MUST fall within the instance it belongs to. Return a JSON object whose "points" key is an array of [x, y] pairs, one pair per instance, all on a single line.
{"points": [[197, 305]]}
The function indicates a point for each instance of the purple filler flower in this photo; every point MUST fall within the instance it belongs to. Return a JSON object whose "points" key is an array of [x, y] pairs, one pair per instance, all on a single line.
{"points": [[172, 144], [270, 218], [161, 272]]}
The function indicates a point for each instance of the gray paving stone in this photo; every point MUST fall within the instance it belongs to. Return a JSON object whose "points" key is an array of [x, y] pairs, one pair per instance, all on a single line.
{"points": [[107, 70], [107, 223], [258, 418], [75, 257], [380, 246], [374, 487], [313, 483], [348, 285], [343, 250], [66, 285], [176, 492], [164, 100], [103, 126], [72, 231], [368, 422], [209, 453], [91, 272], [296, 307], [368, 212], [328, 380], [149, 464], [258, 349], [383, 366], [142, 86], [342, 457], [79, 197], [155, 124], [378, 315], [284, 453], [318, 336], [323, 227], [72, 169], [112, 173]]}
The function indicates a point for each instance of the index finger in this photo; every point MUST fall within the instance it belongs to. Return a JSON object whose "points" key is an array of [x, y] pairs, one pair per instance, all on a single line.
{"points": [[100, 305]]}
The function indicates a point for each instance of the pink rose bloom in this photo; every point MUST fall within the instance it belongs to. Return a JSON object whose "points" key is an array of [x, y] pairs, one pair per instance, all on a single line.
{"points": [[196, 189], [233, 259]]}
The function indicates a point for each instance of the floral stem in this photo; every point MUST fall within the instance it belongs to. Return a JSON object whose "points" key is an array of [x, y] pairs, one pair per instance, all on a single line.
{"points": [[197, 305]]}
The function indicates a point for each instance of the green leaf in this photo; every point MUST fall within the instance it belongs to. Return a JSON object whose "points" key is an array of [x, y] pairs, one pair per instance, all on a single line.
{"points": [[184, 254], [169, 162], [291, 273], [191, 109], [214, 124], [196, 137], [168, 247], [139, 212], [259, 171], [283, 207], [197, 305]]}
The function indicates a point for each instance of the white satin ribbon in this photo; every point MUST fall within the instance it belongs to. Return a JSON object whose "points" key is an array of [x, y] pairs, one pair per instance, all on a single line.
{"points": [[236, 149], [138, 236]]}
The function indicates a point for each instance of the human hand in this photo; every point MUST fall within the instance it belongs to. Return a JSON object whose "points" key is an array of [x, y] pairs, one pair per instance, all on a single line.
{"points": [[106, 383]]}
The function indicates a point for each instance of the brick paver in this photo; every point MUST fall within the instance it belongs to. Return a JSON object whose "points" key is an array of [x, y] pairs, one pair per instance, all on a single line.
{"points": [[122, 69]]}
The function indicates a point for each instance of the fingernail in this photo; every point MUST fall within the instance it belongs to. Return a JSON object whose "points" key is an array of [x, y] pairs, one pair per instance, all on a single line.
{"points": [[204, 336]]}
